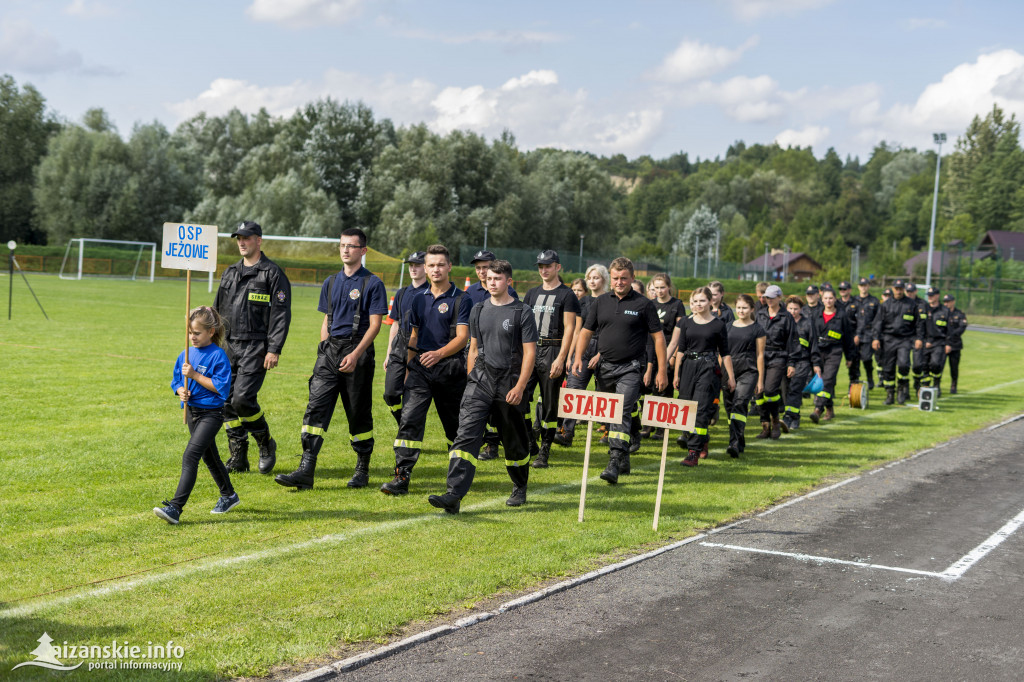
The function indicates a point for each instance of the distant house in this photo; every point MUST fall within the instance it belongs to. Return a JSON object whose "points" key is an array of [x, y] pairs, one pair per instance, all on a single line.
{"points": [[1009, 245], [944, 262], [797, 267]]}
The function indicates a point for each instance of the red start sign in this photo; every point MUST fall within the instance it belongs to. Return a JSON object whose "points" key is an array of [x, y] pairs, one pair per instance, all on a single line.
{"points": [[590, 406], [669, 413]]}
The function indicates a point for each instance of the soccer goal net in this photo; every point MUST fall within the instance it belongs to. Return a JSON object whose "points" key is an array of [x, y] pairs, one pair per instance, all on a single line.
{"points": [[110, 258]]}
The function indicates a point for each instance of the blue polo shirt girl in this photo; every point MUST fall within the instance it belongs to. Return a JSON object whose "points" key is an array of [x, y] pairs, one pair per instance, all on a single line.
{"points": [[204, 378]]}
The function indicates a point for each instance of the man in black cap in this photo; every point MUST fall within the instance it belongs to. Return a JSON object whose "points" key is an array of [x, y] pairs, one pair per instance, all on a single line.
{"points": [[398, 337], [867, 308], [851, 308], [812, 310], [954, 339], [555, 308], [254, 299], [936, 332], [920, 359], [897, 328]]}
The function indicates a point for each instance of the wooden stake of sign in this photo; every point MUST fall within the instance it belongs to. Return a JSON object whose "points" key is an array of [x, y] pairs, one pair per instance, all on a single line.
{"points": [[586, 468], [666, 414], [661, 479], [188, 337]]}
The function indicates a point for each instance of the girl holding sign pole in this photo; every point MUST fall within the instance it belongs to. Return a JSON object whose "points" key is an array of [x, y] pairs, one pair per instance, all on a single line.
{"points": [[202, 378], [702, 340], [746, 345]]}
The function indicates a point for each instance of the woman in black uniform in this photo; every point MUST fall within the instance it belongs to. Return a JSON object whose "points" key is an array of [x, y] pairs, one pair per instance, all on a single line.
{"points": [[835, 339], [597, 280], [803, 363], [670, 309], [746, 346], [780, 342], [702, 341]]}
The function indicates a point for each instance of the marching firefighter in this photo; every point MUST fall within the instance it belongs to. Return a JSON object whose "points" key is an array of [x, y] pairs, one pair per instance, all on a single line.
{"points": [[398, 337], [804, 362], [502, 348], [555, 308], [254, 299], [746, 346], [936, 333], [897, 329], [439, 331], [954, 339], [919, 358], [780, 342], [867, 308], [835, 341], [353, 302]]}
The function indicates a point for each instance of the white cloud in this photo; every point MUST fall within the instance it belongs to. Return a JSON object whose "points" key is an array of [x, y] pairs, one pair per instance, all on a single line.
{"points": [[751, 10], [88, 9], [24, 49], [970, 89], [693, 60], [304, 13], [808, 136], [742, 98], [534, 106]]}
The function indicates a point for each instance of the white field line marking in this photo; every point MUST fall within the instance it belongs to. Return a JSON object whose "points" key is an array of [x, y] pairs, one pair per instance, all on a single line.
{"points": [[976, 554], [824, 560]]}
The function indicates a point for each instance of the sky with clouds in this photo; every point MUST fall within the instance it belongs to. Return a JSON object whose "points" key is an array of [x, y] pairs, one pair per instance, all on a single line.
{"points": [[643, 77]]}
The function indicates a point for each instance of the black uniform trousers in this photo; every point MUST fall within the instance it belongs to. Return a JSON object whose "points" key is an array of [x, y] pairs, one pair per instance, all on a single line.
{"points": [[547, 353], [355, 389], [580, 382], [700, 379], [444, 383], [242, 413], [920, 364], [769, 402], [626, 379], [954, 365], [737, 402], [203, 425], [936, 357], [485, 397], [802, 374], [831, 359], [864, 355], [394, 375], [895, 360]]}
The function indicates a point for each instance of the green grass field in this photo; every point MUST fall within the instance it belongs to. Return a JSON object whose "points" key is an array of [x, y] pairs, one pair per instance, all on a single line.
{"points": [[92, 441]]}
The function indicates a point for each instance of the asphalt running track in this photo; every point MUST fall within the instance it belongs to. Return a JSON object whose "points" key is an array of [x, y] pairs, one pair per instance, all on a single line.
{"points": [[910, 571]]}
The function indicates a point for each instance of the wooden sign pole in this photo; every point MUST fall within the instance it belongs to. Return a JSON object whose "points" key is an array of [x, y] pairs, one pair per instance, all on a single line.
{"points": [[188, 337], [661, 479], [586, 467]]}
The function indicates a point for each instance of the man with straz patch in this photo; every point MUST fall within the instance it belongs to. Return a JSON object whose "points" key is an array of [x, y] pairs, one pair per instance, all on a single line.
{"points": [[623, 321], [398, 337], [555, 308], [502, 348], [354, 302], [439, 331], [254, 299]]}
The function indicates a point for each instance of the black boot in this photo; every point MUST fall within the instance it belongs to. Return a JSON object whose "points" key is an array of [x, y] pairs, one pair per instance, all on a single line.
{"points": [[399, 485], [239, 459], [362, 473], [449, 502], [816, 415], [518, 496], [692, 458], [611, 472], [268, 451], [564, 437], [301, 478], [952, 388], [541, 460], [624, 467], [902, 393], [889, 395]]}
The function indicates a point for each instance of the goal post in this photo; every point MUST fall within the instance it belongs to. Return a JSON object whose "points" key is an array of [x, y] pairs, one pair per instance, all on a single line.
{"points": [[116, 258]]}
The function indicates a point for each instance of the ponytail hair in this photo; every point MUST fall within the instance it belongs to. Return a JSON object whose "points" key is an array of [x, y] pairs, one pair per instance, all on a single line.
{"points": [[208, 318]]}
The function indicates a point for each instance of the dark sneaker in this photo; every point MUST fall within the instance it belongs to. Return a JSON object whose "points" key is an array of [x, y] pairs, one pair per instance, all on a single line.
{"points": [[518, 497], [450, 503], [692, 459], [169, 513], [225, 504], [490, 452]]}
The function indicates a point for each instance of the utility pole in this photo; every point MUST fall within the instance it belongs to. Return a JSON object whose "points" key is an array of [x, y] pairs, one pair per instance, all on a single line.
{"points": [[939, 138]]}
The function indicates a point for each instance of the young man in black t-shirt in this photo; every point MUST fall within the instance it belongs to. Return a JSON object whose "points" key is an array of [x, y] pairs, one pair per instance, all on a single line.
{"points": [[555, 308], [624, 320], [502, 349], [398, 337]]}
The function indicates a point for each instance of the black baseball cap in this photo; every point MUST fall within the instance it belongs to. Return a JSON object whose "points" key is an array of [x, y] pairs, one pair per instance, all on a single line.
{"points": [[864, 281], [948, 297], [932, 291], [812, 289], [248, 229], [418, 257], [911, 287], [899, 284], [844, 286], [888, 291], [547, 257], [485, 256]]}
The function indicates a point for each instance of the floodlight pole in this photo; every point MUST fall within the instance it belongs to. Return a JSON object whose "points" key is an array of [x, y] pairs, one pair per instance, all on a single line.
{"points": [[938, 138], [764, 275], [581, 253], [485, 235], [10, 288]]}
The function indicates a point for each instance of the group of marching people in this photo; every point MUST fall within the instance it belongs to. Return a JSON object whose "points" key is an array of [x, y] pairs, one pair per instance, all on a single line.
{"points": [[480, 356]]}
